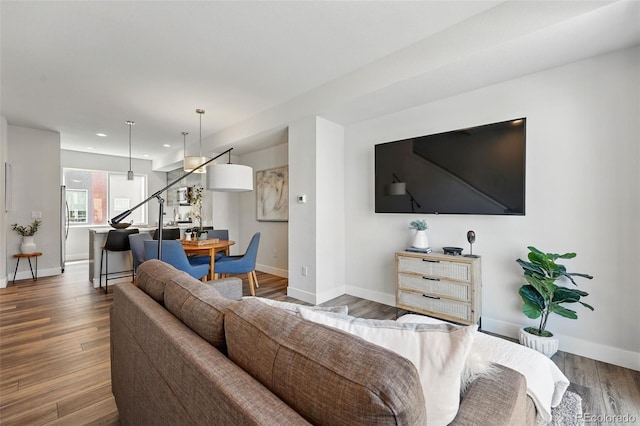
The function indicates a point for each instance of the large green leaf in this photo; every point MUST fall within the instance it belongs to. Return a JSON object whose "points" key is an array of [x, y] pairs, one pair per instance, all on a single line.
{"points": [[562, 311], [576, 274], [566, 256], [574, 291], [530, 268], [530, 310], [586, 305], [568, 295], [544, 286], [530, 295]]}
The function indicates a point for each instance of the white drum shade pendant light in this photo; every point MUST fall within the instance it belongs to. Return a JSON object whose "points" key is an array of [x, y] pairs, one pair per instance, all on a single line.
{"points": [[192, 162], [130, 172], [229, 177]]}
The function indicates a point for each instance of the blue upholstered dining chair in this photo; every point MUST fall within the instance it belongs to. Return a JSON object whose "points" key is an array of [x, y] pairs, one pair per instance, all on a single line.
{"points": [[136, 241], [173, 254], [244, 264]]}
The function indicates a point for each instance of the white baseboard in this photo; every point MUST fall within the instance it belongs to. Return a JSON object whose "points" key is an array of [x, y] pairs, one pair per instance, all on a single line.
{"points": [[3, 282], [315, 298], [76, 257], [305, 296], [23, 275], [273, 271], [376, 296], [573, 345], [327, 295]]}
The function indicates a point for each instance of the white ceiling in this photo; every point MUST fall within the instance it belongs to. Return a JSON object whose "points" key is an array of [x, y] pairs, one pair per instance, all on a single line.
{"points": [[83, 67]]}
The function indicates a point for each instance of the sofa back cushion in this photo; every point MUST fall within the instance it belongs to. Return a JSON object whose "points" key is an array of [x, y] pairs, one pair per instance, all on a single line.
{"points": [[200, 306], [326, 375], [152, 276]]}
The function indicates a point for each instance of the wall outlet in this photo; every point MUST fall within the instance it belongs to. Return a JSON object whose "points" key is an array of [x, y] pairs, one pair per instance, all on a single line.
{"points": [[305, 271], [36, 215]]}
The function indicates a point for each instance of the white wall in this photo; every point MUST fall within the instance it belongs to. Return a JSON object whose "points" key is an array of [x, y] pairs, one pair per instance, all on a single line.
{"points": [[4, 227], [273, 251], [330, 208], [302, 217], [583, 195], [35, 159], [317, 227]]}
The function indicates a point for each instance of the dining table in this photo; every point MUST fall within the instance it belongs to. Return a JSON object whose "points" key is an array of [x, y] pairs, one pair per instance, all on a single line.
{"points": [[209, 247]]}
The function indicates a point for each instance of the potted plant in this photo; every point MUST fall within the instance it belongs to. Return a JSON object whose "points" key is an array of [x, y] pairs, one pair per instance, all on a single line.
{"points": [[28, 245], [195, 199], [420, 239], [541, 296]]}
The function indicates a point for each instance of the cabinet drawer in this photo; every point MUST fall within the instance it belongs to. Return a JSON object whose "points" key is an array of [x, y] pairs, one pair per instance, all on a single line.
{"points": [[434, 286], [435, 268], [450, 308]]}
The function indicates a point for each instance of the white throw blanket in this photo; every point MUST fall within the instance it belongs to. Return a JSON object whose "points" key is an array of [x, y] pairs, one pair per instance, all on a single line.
{"points": [[545, 382]]}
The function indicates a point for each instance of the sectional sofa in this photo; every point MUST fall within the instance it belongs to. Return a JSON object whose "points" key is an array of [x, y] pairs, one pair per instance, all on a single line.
{"points": [[185, 352]]}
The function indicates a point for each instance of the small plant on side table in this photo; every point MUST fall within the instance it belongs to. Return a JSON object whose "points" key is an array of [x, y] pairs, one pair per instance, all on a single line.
{"points": [[28, 245], [420, 240], [27, 231], [418, 225]]}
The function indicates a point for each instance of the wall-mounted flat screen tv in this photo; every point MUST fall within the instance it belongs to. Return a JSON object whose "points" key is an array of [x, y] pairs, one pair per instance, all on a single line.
{"points": [[478, 170]]}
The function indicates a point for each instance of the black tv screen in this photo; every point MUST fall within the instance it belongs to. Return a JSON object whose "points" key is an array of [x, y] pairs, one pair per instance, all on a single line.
{"points": [[478, 170]]}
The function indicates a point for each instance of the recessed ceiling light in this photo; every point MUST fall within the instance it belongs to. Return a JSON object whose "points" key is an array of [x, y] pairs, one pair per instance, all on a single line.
{"points": [[102, 135], [166, 145], [145, 155]]}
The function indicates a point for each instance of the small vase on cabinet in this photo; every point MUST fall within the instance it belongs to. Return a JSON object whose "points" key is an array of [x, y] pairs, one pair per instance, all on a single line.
{"points": [[420, 240], [28, 244]]}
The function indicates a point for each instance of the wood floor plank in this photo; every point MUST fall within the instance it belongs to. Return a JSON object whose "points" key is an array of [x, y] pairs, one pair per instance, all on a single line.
{"points": [[104, 412], [580, 370], [621, 392]]}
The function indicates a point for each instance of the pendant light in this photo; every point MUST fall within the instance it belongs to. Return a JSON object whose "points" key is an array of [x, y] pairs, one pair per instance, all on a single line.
{"points": [[184, 145], [192, 162], [229, 177], [130, 172]]}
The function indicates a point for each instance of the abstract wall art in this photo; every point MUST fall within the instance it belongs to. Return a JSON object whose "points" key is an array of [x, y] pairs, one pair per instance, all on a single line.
{"points": [[272, 194]]}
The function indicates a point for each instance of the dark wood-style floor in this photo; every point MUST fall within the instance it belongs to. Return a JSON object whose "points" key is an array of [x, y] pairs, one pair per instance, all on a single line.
{"points": [[54, 354]]}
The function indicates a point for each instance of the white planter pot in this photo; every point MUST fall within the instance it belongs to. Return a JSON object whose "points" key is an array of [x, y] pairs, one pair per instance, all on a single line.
{"points": [[28, 245], [545, 345], [420, 240]]}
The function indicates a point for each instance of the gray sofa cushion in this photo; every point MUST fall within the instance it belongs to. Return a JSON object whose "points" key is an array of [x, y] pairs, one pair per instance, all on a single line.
{"points": [[152, 276], [321, 372], [201, 307]]}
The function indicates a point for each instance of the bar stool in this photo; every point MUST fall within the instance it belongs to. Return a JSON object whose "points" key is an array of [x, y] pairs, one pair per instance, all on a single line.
{"points": [[117, 240]]}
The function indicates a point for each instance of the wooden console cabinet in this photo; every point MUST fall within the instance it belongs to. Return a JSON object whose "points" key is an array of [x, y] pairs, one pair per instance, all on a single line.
{"points": [[439, 285]]}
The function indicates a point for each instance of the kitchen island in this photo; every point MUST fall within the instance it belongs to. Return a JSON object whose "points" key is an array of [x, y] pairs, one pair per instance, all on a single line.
{"points": [[118, 261]]}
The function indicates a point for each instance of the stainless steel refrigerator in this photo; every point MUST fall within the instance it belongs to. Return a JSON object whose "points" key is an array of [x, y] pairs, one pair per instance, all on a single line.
{"points": [[64, 225]]}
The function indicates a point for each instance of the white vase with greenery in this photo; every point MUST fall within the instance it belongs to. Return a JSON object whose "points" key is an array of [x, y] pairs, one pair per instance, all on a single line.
{"points": [[420, 239], [28, 244]]}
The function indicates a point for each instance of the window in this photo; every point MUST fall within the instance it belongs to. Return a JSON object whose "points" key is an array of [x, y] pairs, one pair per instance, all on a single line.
{"points": [[78, 206], [95, 196]]}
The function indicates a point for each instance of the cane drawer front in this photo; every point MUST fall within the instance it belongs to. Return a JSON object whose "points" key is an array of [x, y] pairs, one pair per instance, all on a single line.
{"points": [[439, 307], [435, 268], [442, 286], [435, 286]]}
